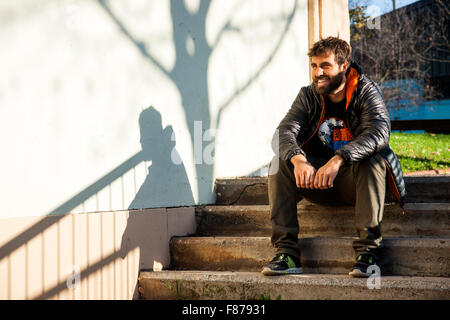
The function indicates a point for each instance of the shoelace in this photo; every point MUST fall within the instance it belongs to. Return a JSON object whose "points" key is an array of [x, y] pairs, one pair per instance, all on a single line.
{"points": [[278, 257], [365, 258]]}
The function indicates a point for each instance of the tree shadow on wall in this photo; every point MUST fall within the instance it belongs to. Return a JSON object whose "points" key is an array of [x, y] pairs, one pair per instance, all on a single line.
{"points": [[189, 73]]}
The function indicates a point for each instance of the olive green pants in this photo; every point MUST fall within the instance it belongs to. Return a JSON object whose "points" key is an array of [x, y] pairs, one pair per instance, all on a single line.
{"points": [[362, 185]]}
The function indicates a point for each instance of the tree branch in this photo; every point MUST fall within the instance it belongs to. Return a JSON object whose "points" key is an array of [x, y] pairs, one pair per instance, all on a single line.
{"points": [[227, 26], [140, 45], [238, 91]]}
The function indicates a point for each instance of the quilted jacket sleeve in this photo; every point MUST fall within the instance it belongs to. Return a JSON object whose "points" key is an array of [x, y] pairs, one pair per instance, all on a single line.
{"points": [[374, 128], [292, 128]]}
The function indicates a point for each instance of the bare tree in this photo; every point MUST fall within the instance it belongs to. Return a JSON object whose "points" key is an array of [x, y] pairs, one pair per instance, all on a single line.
{"points": [[397, 55], [435, 24]]}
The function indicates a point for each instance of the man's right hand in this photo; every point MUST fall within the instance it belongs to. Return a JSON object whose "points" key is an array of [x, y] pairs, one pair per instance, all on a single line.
{"points": [[304, 172]]}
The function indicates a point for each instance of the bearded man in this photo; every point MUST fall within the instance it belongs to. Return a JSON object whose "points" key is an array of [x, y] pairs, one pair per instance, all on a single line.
{"points": [[332, 147]]}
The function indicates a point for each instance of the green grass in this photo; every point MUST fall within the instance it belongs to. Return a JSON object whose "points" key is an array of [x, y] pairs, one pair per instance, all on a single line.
{"points": [[421, 151]]}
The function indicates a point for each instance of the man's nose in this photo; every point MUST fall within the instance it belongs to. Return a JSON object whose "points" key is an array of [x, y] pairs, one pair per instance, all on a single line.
{"points": [[319, 72]]}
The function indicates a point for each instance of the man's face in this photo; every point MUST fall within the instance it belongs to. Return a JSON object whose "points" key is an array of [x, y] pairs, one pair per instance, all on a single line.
{"points": [[327, 74]]}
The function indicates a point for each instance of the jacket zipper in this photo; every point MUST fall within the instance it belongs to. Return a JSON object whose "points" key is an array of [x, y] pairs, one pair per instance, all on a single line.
{"points": [[346, 123]]}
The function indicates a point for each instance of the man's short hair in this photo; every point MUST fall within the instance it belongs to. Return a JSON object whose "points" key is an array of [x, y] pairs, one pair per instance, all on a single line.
{"points": [[341, 49]]}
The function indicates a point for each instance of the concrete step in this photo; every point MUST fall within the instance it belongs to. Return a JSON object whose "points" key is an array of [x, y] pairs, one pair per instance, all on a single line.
{"points": [[206, 285], [253, 190], [421, 219], [403, 256]]}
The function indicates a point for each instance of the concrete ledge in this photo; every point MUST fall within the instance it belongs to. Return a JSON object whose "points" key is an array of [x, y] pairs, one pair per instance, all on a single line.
{"points": [[249, 286], [421, 219], [253, 190], [403, 256]]}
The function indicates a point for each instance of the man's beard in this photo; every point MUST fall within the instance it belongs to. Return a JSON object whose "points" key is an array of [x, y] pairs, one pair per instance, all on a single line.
{"points": [[333, 83]]}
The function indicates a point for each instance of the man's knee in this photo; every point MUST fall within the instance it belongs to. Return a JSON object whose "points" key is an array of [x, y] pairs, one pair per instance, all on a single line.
{"points": [[373, 165]]}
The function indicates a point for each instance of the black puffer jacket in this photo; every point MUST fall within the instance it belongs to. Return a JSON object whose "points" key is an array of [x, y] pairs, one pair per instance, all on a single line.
{"points": [[365, 115]]}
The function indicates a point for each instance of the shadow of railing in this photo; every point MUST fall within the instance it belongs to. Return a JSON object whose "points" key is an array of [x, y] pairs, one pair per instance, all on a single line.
{"points": [[165, 180], [69, 205], [84, 274]]}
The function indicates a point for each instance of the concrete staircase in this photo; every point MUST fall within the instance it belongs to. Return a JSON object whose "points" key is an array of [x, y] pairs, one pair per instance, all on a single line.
{"points": [[223, 260]]}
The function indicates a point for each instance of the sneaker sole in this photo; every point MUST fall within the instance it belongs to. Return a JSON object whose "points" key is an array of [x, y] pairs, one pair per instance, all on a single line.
{"points": [[356, 273], [269, 272]]}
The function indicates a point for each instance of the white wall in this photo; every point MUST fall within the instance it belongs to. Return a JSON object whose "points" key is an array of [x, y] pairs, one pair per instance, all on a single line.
{"points": [[77, 75]]}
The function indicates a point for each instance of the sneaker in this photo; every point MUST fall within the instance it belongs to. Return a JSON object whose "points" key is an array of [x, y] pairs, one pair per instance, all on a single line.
{"points": [[363, 263], [282, 264]]}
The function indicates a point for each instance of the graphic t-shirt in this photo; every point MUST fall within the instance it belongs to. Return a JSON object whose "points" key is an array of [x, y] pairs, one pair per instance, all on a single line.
{"points": [[332, 133]]}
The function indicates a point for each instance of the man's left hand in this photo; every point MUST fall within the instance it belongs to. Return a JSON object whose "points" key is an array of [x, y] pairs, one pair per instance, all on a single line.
{"points": [[325, 175]]}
